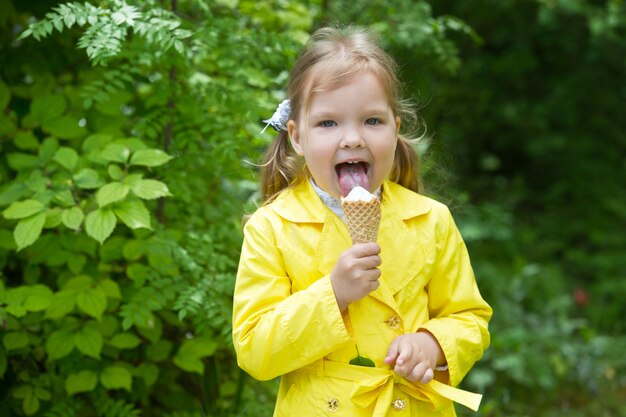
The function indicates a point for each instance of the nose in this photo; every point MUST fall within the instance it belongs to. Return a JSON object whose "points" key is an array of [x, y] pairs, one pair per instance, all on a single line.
{"points": [[352, 138]]}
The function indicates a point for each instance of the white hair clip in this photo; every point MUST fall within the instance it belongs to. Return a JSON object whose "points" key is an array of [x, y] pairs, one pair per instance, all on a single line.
{"points": [[280, 117]]}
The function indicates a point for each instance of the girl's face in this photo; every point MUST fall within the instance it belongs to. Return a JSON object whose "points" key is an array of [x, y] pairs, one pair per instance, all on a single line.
{"points": [[348, 137]]}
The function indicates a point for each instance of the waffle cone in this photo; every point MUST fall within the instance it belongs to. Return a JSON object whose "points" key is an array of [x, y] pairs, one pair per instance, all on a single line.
{"points": [[363, 219]]}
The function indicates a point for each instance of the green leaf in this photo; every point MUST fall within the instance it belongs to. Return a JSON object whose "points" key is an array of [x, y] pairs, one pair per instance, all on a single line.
{"points": [[62, 303], [115, 153], [28, 230], [64, 198], [38, 184], [23, 209], [115, 377], [45, 108], [89, 341], [65, 127], [134, 214], [83, 381], [15, 340], [133, 144], [67, 157], [115, 172], [362, 361], [76, 263], [20, 161], [53, 218], [80, 282], [25, 140], [30, 404], [42, 394], [95, 142], [189, 363], [108, 326], [199, 347], [110, 288], [59, 344], [13, 192], [92, 301], [152, 330], [38, 297], [88, 179], [149, 372], [72, 217], [149, 158], [132, 180], [16, 311], [125, 341], [150, 189], [7, 124], [99, 224], [47, 149], [111, 193], [189, 354], [133, 250]]}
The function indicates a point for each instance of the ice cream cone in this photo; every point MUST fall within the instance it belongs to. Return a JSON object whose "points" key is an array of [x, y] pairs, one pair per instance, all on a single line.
{"points": [[363, 219]]}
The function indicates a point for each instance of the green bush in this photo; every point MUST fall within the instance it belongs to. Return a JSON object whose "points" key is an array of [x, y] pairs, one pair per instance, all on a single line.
{"points": [[122, 187]]}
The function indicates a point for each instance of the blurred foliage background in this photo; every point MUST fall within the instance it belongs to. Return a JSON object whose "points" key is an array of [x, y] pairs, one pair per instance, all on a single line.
{"points": [[127, 128]]}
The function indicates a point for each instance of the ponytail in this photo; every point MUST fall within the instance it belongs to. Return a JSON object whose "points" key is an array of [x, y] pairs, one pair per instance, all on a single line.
{"points": [[405, 170], [281, 167]]}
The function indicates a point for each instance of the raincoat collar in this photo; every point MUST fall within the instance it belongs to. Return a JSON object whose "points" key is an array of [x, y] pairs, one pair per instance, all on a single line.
{"points": [[301, 204]]}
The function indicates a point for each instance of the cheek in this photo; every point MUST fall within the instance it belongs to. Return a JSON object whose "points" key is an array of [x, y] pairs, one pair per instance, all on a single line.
{"points": [[386, 153], [386, 149]]}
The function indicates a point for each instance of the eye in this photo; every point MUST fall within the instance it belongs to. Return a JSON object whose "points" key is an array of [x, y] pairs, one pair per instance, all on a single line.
{"points": [[372, 121], [327, 123]]}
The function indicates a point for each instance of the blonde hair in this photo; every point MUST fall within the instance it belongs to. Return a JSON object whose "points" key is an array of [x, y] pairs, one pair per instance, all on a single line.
{"points": [[330, 58]]}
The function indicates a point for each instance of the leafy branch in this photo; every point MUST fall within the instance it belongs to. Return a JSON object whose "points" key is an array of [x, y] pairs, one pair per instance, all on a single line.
{"points": [[108, 27]]}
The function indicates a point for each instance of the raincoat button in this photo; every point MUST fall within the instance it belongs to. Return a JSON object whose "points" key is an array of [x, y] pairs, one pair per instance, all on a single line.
{"points": [[393, 322], [398, 404], [332, 404]]}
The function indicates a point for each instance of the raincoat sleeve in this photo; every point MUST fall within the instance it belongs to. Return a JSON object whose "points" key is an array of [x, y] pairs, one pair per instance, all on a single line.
{"points": [[458, 314], [275, 331]]}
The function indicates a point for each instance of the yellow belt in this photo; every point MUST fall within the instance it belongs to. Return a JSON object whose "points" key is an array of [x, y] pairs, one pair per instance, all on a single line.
{"points": [[377, 384]]}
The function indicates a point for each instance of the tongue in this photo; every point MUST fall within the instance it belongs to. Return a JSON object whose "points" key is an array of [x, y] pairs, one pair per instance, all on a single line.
{"points": [[350, 176]]}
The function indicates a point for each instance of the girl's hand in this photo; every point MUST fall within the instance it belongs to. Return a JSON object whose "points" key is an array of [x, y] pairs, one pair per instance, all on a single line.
{"points": [[356, 273], [415, 356]]}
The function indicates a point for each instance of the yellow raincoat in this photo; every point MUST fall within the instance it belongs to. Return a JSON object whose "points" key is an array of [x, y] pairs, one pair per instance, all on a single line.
{"points": [[286, 321]]}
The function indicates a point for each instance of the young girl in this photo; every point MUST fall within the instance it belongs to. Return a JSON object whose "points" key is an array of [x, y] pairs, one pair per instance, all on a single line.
{"points": [[372, 329]]}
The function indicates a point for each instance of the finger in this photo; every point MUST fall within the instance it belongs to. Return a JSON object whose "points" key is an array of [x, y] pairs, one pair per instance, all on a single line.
{"points": [[372, 274], [392, 352], [361, 250], [370, 262], [428, 376], [405, 352], [418, 372]]}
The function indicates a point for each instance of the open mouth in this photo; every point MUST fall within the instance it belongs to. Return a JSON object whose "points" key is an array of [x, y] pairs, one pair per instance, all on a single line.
{"points": [[352, 174]]}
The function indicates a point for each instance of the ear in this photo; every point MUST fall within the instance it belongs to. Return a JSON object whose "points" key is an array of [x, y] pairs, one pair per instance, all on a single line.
{"points": [[398, 121], [294, 137]]}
